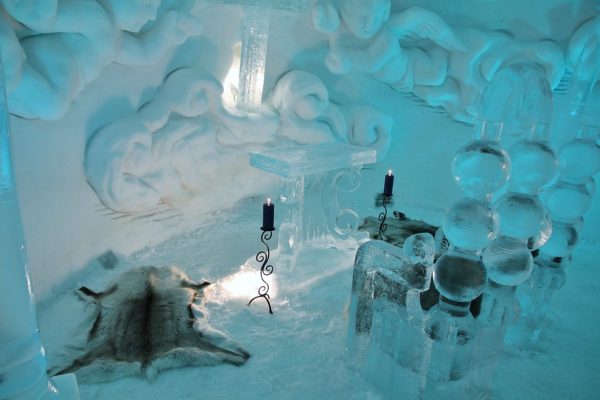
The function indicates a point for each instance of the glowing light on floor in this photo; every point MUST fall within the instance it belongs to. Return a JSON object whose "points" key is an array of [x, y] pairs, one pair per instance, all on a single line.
{"points": [[243, 284]]}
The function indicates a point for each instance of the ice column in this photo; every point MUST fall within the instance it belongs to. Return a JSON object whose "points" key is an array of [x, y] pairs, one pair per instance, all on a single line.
{"points": [[524, 224], [255, 37], [386, 319], [480, 168], [567, 201], [22, 358]]}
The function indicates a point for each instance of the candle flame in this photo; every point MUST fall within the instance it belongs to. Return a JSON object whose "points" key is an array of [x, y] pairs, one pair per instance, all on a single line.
{"points": [[390, 172], [268, 201]]}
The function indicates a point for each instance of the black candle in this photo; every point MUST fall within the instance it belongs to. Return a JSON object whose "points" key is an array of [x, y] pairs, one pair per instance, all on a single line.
{"points": [[388, 187], [268, 216]]}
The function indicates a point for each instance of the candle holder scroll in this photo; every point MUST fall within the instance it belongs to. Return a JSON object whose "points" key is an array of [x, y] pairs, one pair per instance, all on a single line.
{"points": [[383, 201], [266, 269]]}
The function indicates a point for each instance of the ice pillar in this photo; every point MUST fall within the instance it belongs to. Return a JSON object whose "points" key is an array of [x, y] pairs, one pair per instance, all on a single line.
{"points": [[567, 202], [570, 198], [22, 358], [255, 38], [480, 168], [524, 225]]}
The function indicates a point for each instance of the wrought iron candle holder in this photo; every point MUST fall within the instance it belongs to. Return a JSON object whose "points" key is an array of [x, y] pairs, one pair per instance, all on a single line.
{"points": [[385, 199], [266, 269]]}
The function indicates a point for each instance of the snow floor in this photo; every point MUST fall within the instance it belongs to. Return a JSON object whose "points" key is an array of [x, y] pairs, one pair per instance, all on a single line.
{"points": [[298, 352]]}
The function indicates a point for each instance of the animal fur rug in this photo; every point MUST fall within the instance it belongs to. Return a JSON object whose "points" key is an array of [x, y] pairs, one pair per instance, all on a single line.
{"points": [[149, 319]]}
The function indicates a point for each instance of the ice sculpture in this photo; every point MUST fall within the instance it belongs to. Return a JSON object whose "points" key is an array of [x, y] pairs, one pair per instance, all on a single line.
{"points": [[311, 178], [308, 116], [582, 57], [128, 161], [176, 149], [451, 68], [22, 357], [247, 71], [568, 200], [290, 5], [524, 223], [480, 168], [255, 37], [364, 36], [68, 44], [385, 326]]}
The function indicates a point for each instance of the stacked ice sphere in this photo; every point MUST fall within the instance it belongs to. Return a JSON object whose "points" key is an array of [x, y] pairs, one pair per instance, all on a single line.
{"points": [[567, 201], [524, 224], [444, 353], [386, 319], [480, 168]]}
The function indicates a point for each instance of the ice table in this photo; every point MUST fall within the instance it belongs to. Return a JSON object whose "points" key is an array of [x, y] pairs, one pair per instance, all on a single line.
{"points": [[312, 176]]}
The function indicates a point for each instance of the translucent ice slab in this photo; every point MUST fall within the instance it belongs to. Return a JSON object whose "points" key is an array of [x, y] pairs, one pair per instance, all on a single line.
{"points": [[255, 38], [312, 159], [289, 5]]}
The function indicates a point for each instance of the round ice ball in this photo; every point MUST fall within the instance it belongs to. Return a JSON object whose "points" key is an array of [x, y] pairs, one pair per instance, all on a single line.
{"points": [[567, 202], [590, 185], [459, 276], [579, 159], [508, 261], [533, 165], [538, 240], [521, 215], [470, 224], [563, 240], [481, 168], [420, 248]]}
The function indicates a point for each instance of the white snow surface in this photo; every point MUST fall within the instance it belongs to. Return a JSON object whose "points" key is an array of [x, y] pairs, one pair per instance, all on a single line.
{"points": [[298, 352]]}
